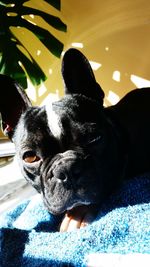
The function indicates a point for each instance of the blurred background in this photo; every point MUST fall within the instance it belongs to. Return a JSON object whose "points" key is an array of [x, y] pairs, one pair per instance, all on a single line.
{"points": [[113, 34]]}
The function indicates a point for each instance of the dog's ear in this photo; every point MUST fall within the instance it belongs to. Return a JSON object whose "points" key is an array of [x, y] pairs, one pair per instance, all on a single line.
{"points": [[13, 101], [79, 77]]}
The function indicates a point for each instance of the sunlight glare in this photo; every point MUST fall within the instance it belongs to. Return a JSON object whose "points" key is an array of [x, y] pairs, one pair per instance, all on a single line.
{"points": [[31, 91], [30, 21], [38, 52], [140, 82], [116, 76], [42, 90], [32, 16], [112, 97], [107, 48], [50, 98], [95, 65], [50, 71], [78, 45]]}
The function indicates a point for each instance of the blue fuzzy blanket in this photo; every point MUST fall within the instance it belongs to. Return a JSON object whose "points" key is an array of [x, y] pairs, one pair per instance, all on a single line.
{"points": [[29, 236]]}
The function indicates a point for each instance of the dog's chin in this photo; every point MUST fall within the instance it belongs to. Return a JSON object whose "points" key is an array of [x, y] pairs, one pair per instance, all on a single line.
{"points": [[69, 208], [78, 205]]}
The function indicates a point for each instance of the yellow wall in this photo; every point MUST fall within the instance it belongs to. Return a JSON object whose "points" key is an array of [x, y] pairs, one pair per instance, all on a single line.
{"points": [[113, 33]]}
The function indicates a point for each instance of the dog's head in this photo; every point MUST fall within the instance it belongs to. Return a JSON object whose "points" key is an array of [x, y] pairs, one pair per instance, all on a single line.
{"points": [[68, 150]]}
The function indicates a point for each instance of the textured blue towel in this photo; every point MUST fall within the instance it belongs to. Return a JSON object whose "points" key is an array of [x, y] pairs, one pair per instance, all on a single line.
{"points": [[29, 237]]}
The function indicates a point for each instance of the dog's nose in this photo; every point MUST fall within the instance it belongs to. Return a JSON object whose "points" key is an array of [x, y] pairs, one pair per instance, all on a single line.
{"points": [[66, 173], [61, 175]]}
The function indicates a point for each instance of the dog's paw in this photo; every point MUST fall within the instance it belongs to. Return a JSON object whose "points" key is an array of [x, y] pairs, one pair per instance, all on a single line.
{"points": [[77, 218]]}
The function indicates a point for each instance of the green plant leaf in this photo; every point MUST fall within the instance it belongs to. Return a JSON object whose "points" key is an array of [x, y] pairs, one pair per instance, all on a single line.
{"points": [[10, 2], [13, 61], [50, 19], [36, 74], [13, 58], [55, 3]]}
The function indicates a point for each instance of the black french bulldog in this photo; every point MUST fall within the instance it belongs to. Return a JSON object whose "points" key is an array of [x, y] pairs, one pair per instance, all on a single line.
{"points": [[76, 152]]}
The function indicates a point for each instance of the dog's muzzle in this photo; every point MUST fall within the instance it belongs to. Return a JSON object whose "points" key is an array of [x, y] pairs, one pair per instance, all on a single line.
{"points": [[67, 168], [61, 181]]}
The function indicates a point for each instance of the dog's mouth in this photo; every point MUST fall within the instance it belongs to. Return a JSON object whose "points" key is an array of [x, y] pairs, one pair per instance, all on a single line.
{"points": [[77, 213]]}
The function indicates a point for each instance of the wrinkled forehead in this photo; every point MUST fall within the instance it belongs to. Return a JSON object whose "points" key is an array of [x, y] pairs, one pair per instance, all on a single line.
{"points": [[76, 107], [60, 114], [70, 111]]}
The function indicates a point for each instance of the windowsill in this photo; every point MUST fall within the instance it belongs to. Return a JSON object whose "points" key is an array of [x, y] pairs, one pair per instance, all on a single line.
{"points": [[7, 148], [13, 187]]}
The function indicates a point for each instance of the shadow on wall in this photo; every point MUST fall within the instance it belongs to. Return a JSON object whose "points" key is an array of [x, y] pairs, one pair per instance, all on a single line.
{"points": [[114, 36]]}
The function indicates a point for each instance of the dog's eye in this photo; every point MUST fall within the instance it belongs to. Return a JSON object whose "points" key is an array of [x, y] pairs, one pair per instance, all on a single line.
{"points": [[30, 157]]}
